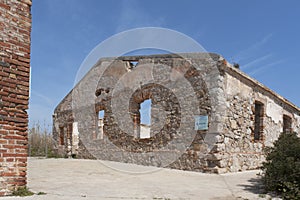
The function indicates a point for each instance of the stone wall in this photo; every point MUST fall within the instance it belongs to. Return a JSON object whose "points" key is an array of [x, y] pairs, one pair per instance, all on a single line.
{"points": [[15, 28], [226, 95], [238, 150], [101, 89]]}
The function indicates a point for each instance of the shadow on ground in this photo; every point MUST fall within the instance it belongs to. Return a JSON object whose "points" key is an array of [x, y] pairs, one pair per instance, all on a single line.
{"points": [[255, 186]]}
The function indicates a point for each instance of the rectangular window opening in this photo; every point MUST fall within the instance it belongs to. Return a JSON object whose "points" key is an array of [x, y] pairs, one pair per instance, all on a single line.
{"points": [[145, 119], [287, 124], [100, 124], [61, 136], [259, 118], [69, 133]]}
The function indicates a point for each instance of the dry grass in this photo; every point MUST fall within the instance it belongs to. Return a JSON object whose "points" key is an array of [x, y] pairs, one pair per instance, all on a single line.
{"points": [[41, 143]]}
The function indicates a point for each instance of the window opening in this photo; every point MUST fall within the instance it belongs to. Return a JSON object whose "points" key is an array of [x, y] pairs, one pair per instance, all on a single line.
{"points": [[61, 136], [100, 124], [259, 116], [145, 118], [287, 124]]}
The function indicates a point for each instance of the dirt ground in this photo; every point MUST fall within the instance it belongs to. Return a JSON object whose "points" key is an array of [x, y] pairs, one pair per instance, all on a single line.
{"points": [[92, 179]]}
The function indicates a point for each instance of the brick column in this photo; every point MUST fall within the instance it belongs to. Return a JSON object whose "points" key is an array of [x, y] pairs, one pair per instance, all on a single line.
{"points": [[15, 29]]}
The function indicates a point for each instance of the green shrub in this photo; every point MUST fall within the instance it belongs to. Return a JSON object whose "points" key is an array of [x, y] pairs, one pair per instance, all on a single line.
{"points": [[41, 193], [281, 171], [22, 192]]}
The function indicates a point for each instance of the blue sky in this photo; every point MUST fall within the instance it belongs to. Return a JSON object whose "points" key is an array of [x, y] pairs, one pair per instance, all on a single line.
{"points": [[262, 36]]}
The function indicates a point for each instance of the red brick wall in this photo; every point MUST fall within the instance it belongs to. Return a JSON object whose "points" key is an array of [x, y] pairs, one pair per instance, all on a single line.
{"points": [[15, 28]]}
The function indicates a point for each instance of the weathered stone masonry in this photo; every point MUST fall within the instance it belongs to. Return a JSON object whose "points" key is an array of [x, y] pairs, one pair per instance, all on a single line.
{"points": [[243, 115], [15, 29]]}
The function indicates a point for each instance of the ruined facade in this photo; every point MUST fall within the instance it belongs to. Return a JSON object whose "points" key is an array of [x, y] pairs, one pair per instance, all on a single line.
{"points": [[15, 29], [206, 115]]}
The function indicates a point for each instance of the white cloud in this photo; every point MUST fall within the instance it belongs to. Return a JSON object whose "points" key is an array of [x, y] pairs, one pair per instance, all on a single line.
{"points": [[42, 96], [40, 114], [256, 61], [264, 67], [40, 109], [250, 51]]}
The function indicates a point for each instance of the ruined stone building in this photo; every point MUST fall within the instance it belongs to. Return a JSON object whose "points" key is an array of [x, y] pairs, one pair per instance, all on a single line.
{"points": [[206, 115], [15, 29]]}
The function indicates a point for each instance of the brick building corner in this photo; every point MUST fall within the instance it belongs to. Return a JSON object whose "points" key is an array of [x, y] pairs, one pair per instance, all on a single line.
{"points": [[15, 29]]}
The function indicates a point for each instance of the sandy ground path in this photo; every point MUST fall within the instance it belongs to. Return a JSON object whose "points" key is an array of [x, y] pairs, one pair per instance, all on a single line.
{"points": [[91, 179]]}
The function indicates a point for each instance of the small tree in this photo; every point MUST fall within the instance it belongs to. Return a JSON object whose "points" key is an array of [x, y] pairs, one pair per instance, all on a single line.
{"points": [[282, 167]]}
